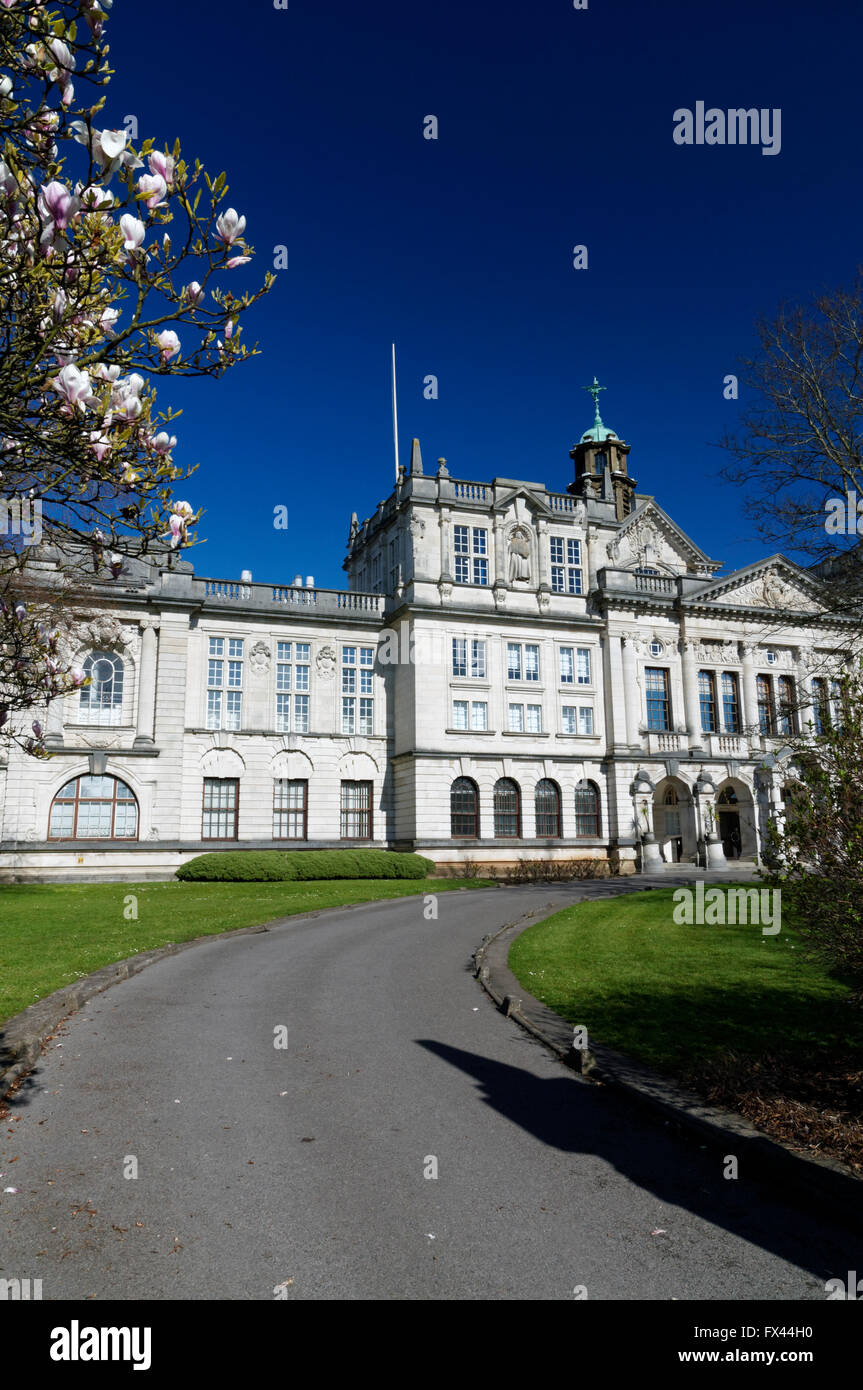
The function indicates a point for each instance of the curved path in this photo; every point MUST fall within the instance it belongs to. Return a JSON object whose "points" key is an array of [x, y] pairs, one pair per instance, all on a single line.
{"points": [[259, 1165]]}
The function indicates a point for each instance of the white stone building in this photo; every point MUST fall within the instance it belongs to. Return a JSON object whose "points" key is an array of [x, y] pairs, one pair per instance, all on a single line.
{"points": [[512, 673]]}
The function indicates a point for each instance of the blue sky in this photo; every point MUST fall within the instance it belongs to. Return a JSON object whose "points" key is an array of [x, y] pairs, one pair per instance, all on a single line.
{"points": [[555, 129]]}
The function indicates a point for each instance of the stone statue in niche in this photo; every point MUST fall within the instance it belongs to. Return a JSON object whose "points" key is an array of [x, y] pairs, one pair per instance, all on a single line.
{"points": [[519, 556]]}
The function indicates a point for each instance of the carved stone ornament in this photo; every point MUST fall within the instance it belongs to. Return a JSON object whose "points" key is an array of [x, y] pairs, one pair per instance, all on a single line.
{"points": [[772, 591], [105, 632], [325, 663], [259, 658]]}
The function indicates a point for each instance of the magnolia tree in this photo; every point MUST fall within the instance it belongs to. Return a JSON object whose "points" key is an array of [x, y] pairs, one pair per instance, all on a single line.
{"points": [[109, 256], [817, 849]]}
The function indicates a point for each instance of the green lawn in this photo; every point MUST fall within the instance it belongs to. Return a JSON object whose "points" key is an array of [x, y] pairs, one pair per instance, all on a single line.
{"points": [[51, 934], [677, 995]]}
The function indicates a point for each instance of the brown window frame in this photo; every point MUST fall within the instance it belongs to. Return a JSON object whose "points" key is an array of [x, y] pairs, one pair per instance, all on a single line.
{"points": [[343, 810], [460, 835], [507, 782], [112, 801], [543, 783], [278, 811], [581, 814], [216, 809]]}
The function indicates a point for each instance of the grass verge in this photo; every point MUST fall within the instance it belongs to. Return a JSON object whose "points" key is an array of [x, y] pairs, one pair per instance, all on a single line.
{"points": [[747, 1020], [53, 933]]}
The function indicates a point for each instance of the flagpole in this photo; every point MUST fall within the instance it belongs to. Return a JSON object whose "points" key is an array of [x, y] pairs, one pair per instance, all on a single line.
{"points": [[395, 416]]}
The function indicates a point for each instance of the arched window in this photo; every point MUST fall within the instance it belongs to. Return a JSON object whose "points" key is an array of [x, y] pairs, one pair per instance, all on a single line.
{"points": [[464, 809], [94, 808], [547, 803], [102, 700], [586, 811], [507, 810], [671, 803]]}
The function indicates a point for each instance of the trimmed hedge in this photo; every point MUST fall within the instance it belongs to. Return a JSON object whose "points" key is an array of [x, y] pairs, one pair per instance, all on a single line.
{"points": [[272, 866]]}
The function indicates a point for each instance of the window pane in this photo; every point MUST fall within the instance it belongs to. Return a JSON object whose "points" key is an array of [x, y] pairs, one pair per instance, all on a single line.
{"points": [[656, 681], [356, 810], [547, 805], [459, 714], [62, 821], [301, 714], [506, 810], [586, 811], [367, 716]]}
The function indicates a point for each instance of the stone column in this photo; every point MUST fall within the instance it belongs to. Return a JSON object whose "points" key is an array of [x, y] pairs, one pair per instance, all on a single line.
{"points": [[54, 720], [147, 683], [615, 709], [501, 577], [691, 701], [445, 529], [750, 696], [542, 548], [630, 691], [803, 657]]}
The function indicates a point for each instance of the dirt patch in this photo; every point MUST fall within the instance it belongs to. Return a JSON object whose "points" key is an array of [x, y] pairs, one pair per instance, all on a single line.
{"points": [[814, 1105]]}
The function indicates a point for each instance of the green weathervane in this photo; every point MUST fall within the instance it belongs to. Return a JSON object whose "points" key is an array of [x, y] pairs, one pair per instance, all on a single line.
{"points": [[594, 390]]}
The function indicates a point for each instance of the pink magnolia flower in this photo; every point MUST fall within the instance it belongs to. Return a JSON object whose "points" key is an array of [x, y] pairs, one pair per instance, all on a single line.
{"points": [[230, 227], [74, 386], [169, 344], [162, 165], [93, 197], [133, 231], [193, 293], [155, 187], [57, 206], [20, 612], [237, 260], [37, 728], [163, 443], [100, 443], [181, 513], [107, 319], [125, 397], [76, 675]]}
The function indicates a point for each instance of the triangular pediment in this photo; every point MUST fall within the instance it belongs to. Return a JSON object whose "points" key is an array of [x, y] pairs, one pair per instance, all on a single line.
{"points": [[536, 502], [649, 539], [775, 586]]}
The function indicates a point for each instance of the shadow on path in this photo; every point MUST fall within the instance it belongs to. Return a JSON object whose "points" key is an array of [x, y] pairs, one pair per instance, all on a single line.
{"points": [[575, 1117]]}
